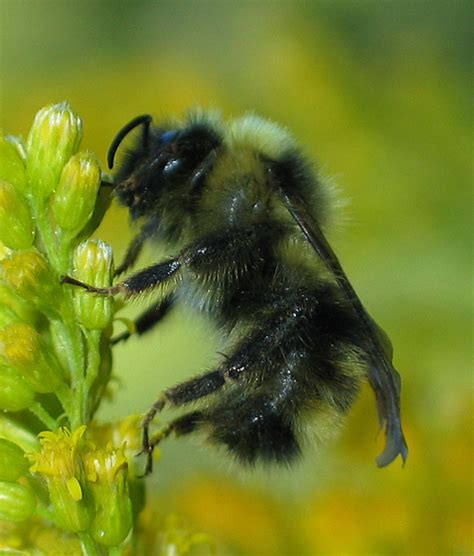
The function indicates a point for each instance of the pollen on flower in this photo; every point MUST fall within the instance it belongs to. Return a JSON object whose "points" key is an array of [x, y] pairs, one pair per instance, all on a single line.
{"points": [[74, 488], [59, 453], [105, 465]]}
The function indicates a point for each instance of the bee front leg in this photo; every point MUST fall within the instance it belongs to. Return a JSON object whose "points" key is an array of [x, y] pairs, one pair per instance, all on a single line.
{"points": [[140, 282], [135, 246]]}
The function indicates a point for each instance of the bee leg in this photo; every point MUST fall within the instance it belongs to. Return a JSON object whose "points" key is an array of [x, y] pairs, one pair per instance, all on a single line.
{"points": [[135, 247], [200, 257], [185, 424], [199, 175], [147, 320], [138, 283], [181, 394], [131, 255]]}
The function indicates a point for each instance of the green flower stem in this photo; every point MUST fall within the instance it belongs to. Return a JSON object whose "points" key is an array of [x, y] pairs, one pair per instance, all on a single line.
{"points": [[64, 251], [74, 347], [64, 396], [40, 412], [92, 370], [70, 343]]}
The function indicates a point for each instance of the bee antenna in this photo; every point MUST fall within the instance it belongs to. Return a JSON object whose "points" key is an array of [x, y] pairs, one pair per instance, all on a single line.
{"points": [[144, 119]]}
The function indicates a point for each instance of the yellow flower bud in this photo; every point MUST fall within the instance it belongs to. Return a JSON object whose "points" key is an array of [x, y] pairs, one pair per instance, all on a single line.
{"points": [[15, 393], [12, 167], [16, 225], [76, 194], [10, 299], [93, 265], [17, 502], [54, 137], [106, 472], [13, 463], [32, 277], [25, 351], [59, 462]]}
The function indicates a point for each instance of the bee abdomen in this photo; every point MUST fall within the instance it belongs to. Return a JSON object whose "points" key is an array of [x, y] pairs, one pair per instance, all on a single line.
{"points": [[255, 429]]}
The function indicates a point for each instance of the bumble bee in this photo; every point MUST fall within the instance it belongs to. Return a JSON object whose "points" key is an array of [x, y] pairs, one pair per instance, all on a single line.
{"points": [[244, 212]]}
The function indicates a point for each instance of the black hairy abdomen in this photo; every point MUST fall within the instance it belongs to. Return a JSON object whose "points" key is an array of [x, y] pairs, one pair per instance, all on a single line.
{"points": [[285, 370]]}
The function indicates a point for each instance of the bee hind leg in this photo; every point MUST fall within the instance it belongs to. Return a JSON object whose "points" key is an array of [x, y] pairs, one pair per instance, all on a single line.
{"points": [[185, 424], [181, 394]]}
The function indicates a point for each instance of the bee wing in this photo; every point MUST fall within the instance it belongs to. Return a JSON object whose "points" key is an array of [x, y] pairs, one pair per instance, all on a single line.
{"points": [[383, 377]]}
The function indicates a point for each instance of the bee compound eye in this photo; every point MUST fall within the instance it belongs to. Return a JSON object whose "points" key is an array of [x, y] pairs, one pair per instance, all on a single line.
{"points": [[168, 136]]}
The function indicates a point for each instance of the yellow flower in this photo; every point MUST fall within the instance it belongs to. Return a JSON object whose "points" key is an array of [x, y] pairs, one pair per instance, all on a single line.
{"points": [[60, 463], [106, 472]]}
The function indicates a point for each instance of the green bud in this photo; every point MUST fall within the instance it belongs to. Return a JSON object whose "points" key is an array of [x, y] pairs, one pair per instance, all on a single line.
{"points": [[16, 224], [12, 167], [92, 264], [15, 393], [17, 502], [33, 278], [13, 463], [107, 481], [59, 462], [7, 316], [76, 194], [10, 299], [25, 351], [18, 433], [54, 137]]}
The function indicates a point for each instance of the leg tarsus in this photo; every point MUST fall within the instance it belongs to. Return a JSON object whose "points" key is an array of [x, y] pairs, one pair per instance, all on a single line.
{"points": [[147, 447], [155, 408], [180, 426], [146, 320], [102, 291], [179, 395]]}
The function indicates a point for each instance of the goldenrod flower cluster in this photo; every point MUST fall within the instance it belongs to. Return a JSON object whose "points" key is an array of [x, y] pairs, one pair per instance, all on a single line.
{"points": [[67, 485]]}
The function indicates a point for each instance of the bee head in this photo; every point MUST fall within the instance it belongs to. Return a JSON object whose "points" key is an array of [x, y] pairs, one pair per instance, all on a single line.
{"points": [[164, 165]]}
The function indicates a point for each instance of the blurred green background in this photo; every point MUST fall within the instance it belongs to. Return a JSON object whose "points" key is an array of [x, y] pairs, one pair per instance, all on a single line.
{"points": [[379, 94]]}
